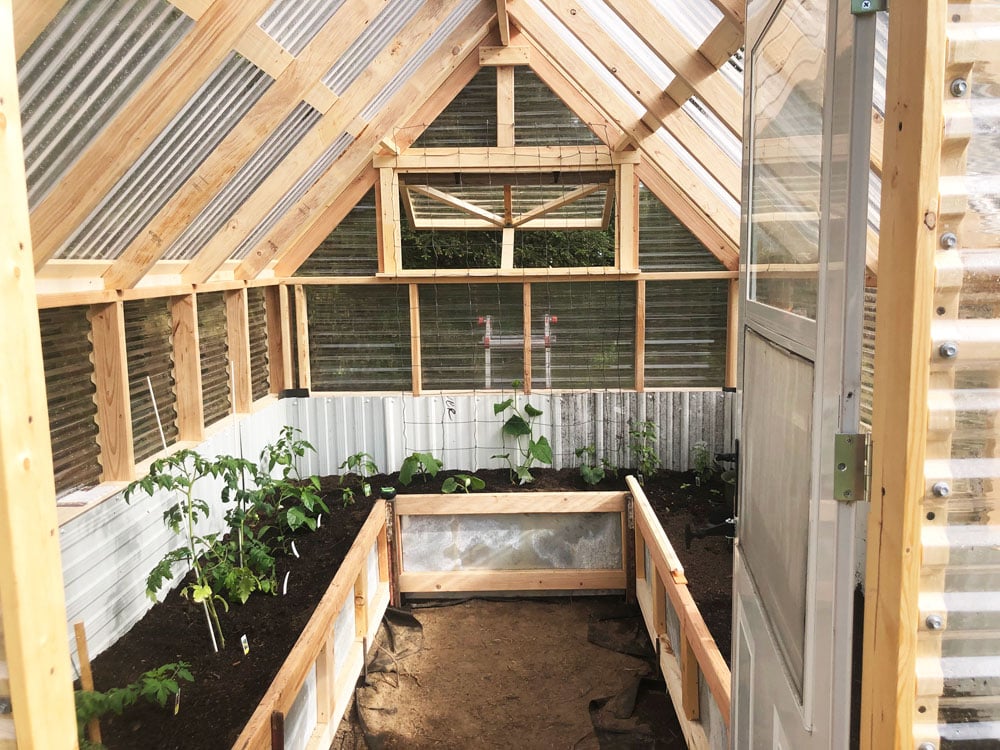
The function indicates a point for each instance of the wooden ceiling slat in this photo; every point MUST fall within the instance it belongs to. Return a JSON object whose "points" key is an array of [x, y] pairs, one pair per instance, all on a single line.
{"points": [[293, 85], [130, 132], [420, 27]]}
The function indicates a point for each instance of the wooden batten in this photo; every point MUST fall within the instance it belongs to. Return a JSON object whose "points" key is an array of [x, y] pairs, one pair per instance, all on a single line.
{"points": [[554, 579], [511, 55], [276, 341], [286, 336], [30, 19], [390, 248], [732, 333], [503, 22], [187, 368], [238, 341], [627, 225], [114, 406], [302, 337], [640, 336], [505, 104], [415, 366], [507, 503], [526, 332]]}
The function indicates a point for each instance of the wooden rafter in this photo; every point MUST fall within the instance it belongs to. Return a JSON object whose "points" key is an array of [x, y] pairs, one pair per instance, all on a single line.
{"points": [[452, 201], [503, 22], [696, 196], [662, 110], [557, 203], [291, 86], [128, 134], [30, 19], [445, 74], [722, 42], [734, 11], [695, 74], [342, 118]]}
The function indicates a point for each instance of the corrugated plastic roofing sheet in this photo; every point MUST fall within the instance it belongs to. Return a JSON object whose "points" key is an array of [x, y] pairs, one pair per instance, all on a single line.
{"points": [[169, 161], [627, 39], [694, 18], [80, 72], [293, 23]]}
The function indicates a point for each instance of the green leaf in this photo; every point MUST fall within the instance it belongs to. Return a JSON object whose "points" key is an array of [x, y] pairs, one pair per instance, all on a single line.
{"points": [[516, 426], [408, 469], [295, 517], [497, 408], [591, 474], [523, 474], [449, 485], [541, 450], [531, 411], [475, 483], [200, 592]]}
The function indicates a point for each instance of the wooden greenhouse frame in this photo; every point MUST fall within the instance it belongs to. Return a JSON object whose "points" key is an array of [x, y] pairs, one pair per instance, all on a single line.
{"points": [[677, 140]]}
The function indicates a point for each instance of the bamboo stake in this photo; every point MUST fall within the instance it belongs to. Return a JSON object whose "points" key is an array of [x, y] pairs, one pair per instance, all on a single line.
{"points": [[86, 678]]}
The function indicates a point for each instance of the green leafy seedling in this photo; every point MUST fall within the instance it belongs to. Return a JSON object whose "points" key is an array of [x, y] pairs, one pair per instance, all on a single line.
{"points": [[423, 465], [462, 483], [520, 427]]}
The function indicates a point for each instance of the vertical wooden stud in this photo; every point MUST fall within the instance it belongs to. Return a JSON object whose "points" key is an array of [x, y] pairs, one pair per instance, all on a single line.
{"points": [[526, 314], [382, 543], [302, 336], [361, 603], [238, 339], [277, 730], [689, 678], [390, 239], [114, 408], [505, 105], [915, 87], [659, 602], [187, 368], [640, 555], [417, 372], [276, 342], [507, 248], [640, 336], [31, 582], [627, 221], [325, 681], [286, 337], [732, 333]]}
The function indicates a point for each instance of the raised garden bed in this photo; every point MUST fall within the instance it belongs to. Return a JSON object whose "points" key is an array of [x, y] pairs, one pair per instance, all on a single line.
{"points": [[228, 686]]}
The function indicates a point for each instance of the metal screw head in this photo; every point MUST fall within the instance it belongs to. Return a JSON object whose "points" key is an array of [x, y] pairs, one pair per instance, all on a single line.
{"points": [[941, 489], [948, 350], [949, 240], [934, 622], [926, 746], [959, 87]]}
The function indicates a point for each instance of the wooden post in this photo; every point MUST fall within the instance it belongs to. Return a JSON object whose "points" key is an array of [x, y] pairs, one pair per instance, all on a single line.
{"points": [[31, 582], [187, 368], [732, 333], [86, 677], [114, 408], [627, 223], [505, 105], [915, 87], [361, 604], [238, 338], [526, 326], [415, 365], [286, 337], [276, 341], [689, 677], [326, 693], [302, 337], [640, 336], [277, 730], [390, 239]]}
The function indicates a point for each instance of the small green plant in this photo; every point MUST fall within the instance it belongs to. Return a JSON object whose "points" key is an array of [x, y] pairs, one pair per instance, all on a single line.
{"points": [[156, 686], [423, 465], [703, 463], [591, 471], [462, 483], [288, 501], [520, 426], [361, 465], [642, 443]]}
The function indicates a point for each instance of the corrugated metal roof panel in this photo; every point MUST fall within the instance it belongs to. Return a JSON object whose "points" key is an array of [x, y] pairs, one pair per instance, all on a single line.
{"points": [[706, 177], [349, 250], [476, 103], [148, 326], [706, 120], [665, 244], [214, 348], [630, 43], [373, 40], [292, 197], [260, 374], [242, 184], [686, 325], [541, 118], [169, 161], [80, 72], [293, 23]]}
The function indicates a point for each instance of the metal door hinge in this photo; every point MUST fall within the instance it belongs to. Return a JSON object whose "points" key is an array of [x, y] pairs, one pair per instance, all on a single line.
{"points": [[866, 7], [852, 467]]}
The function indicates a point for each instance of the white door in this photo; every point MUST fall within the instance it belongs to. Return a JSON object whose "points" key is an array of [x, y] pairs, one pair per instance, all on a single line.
{"points": [[806, 165]]}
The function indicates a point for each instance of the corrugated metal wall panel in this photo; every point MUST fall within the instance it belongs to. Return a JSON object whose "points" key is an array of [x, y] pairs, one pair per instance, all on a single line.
{"points": [[686, 325], [868, 358], [349, 250], [243, 184], [80, 72], [359, 337], [293, 23], [260, 373], [148, 326], [542, 118], [665, 244], [214, 356], [67, 354], [169, 161], [476, 103]]}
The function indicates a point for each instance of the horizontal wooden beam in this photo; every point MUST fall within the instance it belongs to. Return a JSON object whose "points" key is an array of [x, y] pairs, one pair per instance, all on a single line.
{"points": [[515, 276], [496, 56], [580, 158], [507, 502], [556, 579], [103, 296], [545, 223]]}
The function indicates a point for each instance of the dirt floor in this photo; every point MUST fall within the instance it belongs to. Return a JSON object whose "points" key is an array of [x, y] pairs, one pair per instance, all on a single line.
{"points": [[228, 685]]}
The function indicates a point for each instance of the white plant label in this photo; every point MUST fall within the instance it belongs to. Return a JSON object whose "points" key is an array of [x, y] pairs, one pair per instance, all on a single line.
{"points": [[177, 702], [294, 550], [246, 645]]}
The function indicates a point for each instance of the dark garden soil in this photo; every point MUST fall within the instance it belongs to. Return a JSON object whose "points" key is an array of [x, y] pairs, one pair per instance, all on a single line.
{"points": [[229, 685]]}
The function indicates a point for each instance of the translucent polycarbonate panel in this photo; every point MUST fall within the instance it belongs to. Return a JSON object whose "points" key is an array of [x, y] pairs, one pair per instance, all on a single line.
{"points": [[67, 353], [707, 120], [293, 23], [260, 373], [289, 199], [470, 119], [243, 184], [148, 326], [214, 346], [79, 73], [695, 18], [774, 508], [349, 250], [537, 541], [373, 40], [727, 201], [686, 324], [541, 117], [432, 45], [359, 338], [665, 244], [471, 335], [344, 634], [592, 335], [881, 59], [619, 32], [787, 93], [169, 161]]}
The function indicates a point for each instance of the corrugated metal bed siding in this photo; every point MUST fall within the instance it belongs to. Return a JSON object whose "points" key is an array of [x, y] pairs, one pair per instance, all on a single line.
{"points": [[80, 72], [67, 354], [260, 373], [351, 249], [686, 325], [148, 326], [359, 337], [214, 347], [169, 161]]}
